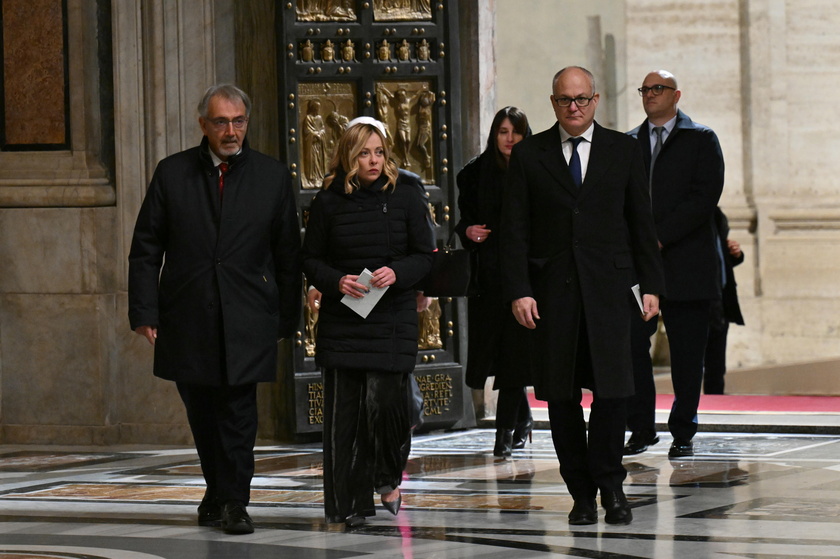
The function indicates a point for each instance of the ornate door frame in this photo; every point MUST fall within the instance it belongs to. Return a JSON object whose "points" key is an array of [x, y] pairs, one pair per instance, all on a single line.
{"points": [[389, 59]]}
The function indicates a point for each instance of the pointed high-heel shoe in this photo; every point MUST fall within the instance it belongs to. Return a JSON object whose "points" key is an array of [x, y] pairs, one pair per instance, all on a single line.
{"points": [[392, 506], [522, 432], [504, 443]]}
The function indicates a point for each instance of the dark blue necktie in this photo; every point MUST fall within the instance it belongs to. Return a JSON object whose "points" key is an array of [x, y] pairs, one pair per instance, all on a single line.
{"points": [[574, 162]]}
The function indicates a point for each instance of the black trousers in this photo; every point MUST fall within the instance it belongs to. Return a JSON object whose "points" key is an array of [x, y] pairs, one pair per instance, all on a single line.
{"points": [[223, 421], [687, 324], [714, 365], [588, 461], [367, 439]]}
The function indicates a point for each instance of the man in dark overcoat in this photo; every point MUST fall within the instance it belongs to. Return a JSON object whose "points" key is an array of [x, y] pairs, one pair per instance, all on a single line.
{"points": [[214, 283], [576, 224], [686, 181]]}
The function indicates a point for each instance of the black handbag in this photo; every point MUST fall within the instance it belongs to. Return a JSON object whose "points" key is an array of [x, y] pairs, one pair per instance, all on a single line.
{"points": [[416, 402], [452, 272]]}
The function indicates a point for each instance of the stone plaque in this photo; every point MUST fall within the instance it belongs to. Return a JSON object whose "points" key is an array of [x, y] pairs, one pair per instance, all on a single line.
{"points": [[443, 396]]}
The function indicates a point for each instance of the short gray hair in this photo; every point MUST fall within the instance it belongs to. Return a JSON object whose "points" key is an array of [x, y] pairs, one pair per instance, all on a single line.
{"points": [[226, 91]]}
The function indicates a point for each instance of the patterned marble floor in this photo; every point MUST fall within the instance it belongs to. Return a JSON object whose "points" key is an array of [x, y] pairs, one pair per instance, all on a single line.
{"points": [[757, 496]]}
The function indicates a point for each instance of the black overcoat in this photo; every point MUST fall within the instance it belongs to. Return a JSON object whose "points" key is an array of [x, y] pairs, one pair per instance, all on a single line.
{"points": [[498, 345], [230, 283], [369, 228], [686, 185], [574, 251]]}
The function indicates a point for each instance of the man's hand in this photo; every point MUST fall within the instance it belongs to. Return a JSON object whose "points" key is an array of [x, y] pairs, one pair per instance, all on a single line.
{"points": [[525, 311], [147, 332], [478, 233], [651, 306]]}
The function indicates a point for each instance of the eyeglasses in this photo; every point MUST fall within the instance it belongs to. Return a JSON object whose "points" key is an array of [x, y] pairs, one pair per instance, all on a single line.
{"points": [[222, 123], [579, 101], [657, 89]]}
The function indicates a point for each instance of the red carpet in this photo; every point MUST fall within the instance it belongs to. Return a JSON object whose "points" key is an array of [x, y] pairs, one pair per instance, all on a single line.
{"points": [[740, 404]]}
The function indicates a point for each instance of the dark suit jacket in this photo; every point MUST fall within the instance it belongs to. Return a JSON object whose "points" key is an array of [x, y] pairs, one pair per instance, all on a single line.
{"points": [[685, 188], [574, 251], [230, 283]]}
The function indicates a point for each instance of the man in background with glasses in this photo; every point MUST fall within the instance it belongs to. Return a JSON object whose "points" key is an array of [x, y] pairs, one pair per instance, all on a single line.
{"points": [[685, 168], [576, 222], [214, 282]]}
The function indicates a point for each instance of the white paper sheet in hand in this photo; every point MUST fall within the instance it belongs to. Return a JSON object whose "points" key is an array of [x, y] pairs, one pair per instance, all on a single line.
{"points": [[364, 305], [637, 293]]}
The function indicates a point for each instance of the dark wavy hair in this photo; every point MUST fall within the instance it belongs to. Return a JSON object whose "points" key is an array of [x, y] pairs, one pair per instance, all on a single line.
{"points": [[520, 126]]}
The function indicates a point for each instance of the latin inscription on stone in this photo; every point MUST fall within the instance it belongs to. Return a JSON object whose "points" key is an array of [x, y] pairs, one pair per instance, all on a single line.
{"points": [[315, 391], [437, 393]]}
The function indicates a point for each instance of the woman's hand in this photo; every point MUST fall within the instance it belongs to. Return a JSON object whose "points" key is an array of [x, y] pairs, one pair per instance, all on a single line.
{"points": [[383, 277], [478, 233], [423, 302], [349, 286], [313, 300]]}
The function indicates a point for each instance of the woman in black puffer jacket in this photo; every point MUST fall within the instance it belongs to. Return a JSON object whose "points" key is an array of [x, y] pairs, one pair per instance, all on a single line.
{"points": [[369, 215]]}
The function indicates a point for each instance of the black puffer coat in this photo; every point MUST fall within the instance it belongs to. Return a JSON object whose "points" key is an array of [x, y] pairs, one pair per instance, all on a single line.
{"points": [[368, 228]]}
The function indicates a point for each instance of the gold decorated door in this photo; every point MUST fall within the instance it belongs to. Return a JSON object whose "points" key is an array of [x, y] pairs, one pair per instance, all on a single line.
{"points": [[389, 59]]}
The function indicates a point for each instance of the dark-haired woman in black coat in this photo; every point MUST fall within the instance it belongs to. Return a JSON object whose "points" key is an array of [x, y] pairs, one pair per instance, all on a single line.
{"points": [[498, 345], [371, 215]]}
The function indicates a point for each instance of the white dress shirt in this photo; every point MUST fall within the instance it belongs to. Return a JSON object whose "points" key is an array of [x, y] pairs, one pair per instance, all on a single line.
{"points": [[667, 128], [583, 148]]}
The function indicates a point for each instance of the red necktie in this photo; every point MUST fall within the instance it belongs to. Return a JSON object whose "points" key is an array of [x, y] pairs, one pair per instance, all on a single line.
{"points": [[223, 168]]}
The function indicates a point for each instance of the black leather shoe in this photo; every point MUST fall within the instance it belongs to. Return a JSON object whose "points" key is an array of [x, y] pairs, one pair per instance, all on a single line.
{"points": [[681, 448], [522, 433], [235, 519], [354, 521], [639, 442], [617, 507], [583, 513], [504, 443], [209, 512], [392, 506]]}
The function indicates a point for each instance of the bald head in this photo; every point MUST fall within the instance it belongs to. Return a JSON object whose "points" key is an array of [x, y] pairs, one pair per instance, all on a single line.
{"points": [[660, 96], [667, 76]]}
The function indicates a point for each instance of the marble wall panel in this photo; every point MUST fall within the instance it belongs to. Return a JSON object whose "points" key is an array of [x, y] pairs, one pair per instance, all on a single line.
{"points": [[33, 72], [807, 267], [700, 43], [533, 40], [52, 250], [52, 359], [798, 330]]}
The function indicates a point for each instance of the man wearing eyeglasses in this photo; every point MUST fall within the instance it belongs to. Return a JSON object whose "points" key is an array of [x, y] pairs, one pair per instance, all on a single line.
{"points": [[575, 222], [685, 167], [214, 282]]}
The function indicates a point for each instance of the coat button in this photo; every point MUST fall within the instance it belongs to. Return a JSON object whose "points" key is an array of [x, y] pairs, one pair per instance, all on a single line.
{"points": [[577, 211]]}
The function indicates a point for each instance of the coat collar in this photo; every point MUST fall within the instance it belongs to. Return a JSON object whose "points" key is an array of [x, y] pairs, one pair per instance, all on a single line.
{"points": [[551, 157], [642, 133], [234, 161]]}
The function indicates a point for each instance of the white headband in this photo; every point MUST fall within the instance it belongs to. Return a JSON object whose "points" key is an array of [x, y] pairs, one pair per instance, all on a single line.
{"points": [[367, 120]]}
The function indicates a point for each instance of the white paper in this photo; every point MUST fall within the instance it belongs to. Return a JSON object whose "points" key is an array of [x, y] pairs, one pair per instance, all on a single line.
{"points": [[365, 304], [637, 293]]}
